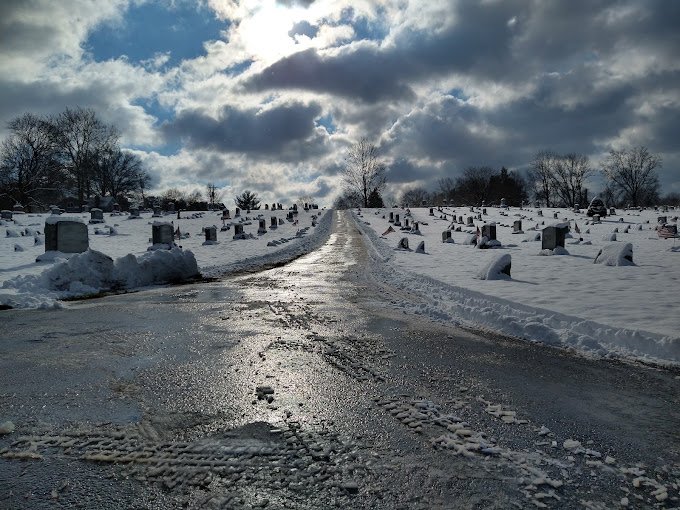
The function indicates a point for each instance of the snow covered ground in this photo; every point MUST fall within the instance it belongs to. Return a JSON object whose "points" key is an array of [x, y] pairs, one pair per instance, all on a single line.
{"points": [[565, 300], [118, 258]]}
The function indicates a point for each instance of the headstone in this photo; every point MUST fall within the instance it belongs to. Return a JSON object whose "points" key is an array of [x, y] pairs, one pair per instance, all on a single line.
{"points": [[289, 216], [470, 221], [446, 235], [612, 211], [266, 207], [397, 223], [421, 247], [6, 215], [489, 231], [472, 209], [262, 229], [211, 234], [134, 212], [67, 236], [162, 233], [431, 211], [391, 220], [274, 223], [539, 212], [553, 236], [596, 218], [96, 215], [555, 215], [405, 222], [484, 210], [662, 220], [225, 214], [55, 210], [238, 231], [503, 204], [237, 213], [294, 207], [156, 212], [517, 227], [460, 220], [403, 243]]}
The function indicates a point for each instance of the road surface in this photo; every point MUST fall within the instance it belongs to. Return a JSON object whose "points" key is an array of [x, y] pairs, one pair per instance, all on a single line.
{"points": [[303, 387]]}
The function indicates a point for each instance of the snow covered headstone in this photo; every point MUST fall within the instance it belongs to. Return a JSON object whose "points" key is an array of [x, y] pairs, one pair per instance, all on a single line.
{"points": [[262, 228], [553, 236], [55, 210], [517, 227], [421, 247], [615, 254], [497, 268], [96, 215], [596, 218], [67, 235], [19, 209], [162, 233], [6, 215], [446, 236], [210, 234]]}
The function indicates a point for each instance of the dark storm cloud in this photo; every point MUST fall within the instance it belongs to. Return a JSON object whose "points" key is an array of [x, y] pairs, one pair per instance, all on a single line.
{"points": [[404, 170], [508, 41], [272, 131], [363, 73]]}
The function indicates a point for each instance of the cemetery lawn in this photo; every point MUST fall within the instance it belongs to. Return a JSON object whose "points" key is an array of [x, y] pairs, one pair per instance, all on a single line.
{"points": [[563, 300], [25, 283]]}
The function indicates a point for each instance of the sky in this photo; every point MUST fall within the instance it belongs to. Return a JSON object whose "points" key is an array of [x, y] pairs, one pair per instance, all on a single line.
{"points": [[269, 95]]}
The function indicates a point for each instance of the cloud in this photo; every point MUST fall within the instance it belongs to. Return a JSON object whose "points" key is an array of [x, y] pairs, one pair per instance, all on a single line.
{"points": [[252, 131]]}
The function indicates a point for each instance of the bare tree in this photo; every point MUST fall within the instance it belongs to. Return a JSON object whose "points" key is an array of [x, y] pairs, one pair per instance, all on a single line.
{"points": [[447, 186], [632, 172], [82, 138], [541, 175], [29, 169], [118, 172], [214, 195], [569, 175], [415, 196], [363, 170]]}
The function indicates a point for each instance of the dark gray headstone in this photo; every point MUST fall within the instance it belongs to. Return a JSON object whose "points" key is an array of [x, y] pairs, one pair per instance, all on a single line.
{"points": [[237, 212], [662, 219], [274, 222], [484, 210], [391, 220], [517, 226], [210, 233], [446, 235], [66, 236], [266, 207], [134, 212], [470, 221], [6, 215], [96, 215], [555, 215], [539, 212], [397, 223], [553, 236], [403, 243], [262, 228], [162, 233], [238, 229], [431, 211], [489, 231], [460, 220]]}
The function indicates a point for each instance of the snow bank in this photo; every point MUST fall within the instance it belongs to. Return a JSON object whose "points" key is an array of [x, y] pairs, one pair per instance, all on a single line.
{"points": [[92, 272]]}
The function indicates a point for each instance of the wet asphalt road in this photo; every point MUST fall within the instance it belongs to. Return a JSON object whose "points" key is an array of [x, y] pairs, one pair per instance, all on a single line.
{"points": [[301, 387]]}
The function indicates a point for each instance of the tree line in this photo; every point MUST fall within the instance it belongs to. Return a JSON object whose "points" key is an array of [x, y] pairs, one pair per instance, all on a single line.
{"points": [[45, 159]]}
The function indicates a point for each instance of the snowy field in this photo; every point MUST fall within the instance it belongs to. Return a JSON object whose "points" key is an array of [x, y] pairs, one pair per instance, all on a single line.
{"points": [[566, 300], [126, 264]]}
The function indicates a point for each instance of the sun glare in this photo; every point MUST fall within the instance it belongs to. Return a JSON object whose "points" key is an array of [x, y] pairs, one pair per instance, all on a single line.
{"points": [[265, 32]]}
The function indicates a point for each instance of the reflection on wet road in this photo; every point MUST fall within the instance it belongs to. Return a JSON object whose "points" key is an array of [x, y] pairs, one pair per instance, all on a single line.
{"points": [[299, 387]]}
